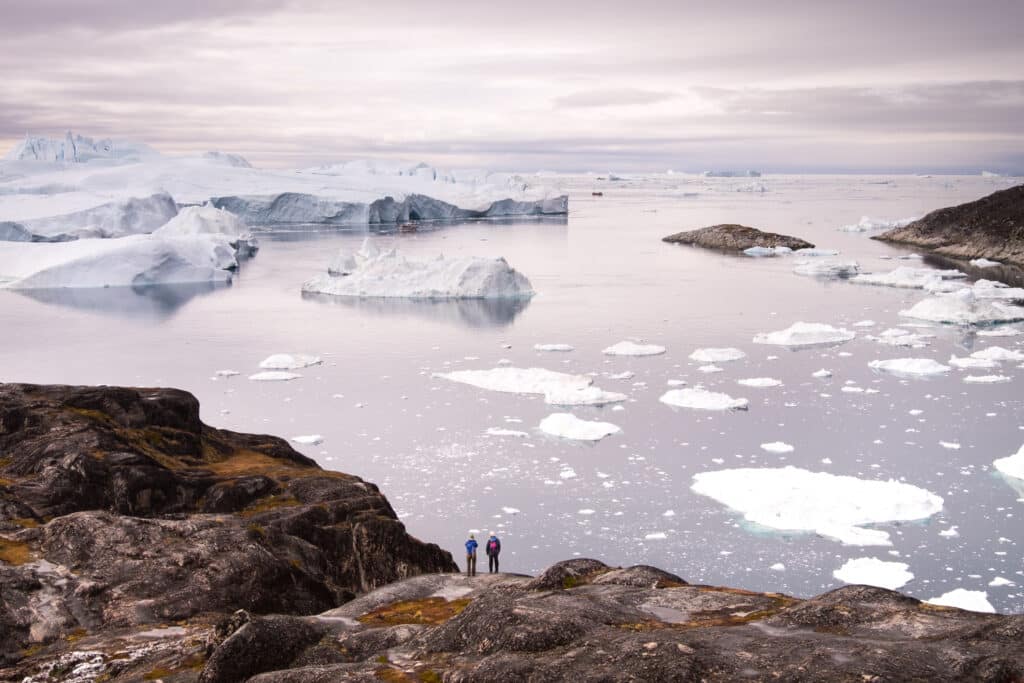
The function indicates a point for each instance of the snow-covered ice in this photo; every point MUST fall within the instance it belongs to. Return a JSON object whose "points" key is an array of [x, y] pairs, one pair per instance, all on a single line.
{"points": [[1012, 465], [899, 337], [767, 251], [973, 601], [723, 355], [568, 426], [802, 334], [868, 224], [871, 571], [821, 374], [834, 506], [558, 388], [289, 361], [308, 440], [274, 376], [998, 354], [629, 348], [498, 431], [963, 308], [760, 382], [827, 268], [972, 363], [698, 398], [907, 277], [984, 263], [777, 447], [553, 347], [910, 367], [986, 379]]}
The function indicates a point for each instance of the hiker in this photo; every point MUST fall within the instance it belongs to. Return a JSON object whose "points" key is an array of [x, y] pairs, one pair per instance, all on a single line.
{"points": [[471, 556], [493, 547]]}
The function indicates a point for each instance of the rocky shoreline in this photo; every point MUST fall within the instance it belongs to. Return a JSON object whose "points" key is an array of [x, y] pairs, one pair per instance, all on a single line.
{"points": [[137, 543]]}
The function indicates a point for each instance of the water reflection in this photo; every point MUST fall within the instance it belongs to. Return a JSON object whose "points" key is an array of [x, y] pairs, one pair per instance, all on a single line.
{"points": [[467, 312], [157, 302], [299, 232]]}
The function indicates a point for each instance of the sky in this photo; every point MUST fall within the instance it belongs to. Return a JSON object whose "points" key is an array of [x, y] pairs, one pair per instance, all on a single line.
{"points": [[630, 85]]}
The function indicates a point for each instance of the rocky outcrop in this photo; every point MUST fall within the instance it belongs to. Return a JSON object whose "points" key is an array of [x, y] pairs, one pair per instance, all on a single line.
{"points": [[293, 207], [731, 237], [991, 227], [121, 513]]}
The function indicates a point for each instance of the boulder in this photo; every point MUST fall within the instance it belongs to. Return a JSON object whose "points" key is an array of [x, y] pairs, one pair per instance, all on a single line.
{"points": [[736, 238]]}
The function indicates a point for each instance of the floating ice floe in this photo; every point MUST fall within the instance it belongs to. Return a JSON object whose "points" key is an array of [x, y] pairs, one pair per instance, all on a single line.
{"points": [[568, 426], [698, 398], [558, 388], [821, 374], [498, 431], [986, 379], [898, 337], [803, 334], [834, 506], [760, 382], [907, 278], [868, 224], [723, 355], [655, 536], [973, 601], [963, 308], [777, 447], [1012, 465], [870, 571], [984, 263], [998, 354], [553, 347], [386, 274], [811, 251], [990, 289], [308, 440], [289, 361], [840, 269], [226, 373], [274, 376], [708, 369], [767, 251], [910, 367], [1002, 331], [972, 363], [629, 348]]}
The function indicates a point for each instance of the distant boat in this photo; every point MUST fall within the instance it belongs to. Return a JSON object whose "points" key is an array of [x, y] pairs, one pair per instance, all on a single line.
{"points": [[407, 227]]}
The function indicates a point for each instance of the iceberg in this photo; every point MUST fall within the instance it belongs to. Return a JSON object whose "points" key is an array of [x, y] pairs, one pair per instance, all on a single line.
{"points": [[984, 263], [961, 598], [868, 224], [963, 308], [1012, 465], [132, 216], [870, 571], [194, 221], [973, 363], [998, 354], [274, 376], [910, 367], [777, 447], [990, 289], [907, 278], [563, 348], [308, 439], [386, 274], [760, 382], [698, 398], [722, 355], [289, 361], [833, 506], [827, 268], [568, 426], [73, 148], [803, 334], [812, 251], [986, 379], [558, 388], [897, 337], [628, 348], [767, 251]]}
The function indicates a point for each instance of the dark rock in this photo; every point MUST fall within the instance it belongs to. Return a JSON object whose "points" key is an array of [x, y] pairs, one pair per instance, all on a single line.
{"points": [[263, 644], [567, 574], [731, 237], [991, 227]]}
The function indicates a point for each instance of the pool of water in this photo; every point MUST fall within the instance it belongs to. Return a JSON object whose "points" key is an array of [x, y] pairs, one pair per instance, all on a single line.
{"points": [[602, 276]]}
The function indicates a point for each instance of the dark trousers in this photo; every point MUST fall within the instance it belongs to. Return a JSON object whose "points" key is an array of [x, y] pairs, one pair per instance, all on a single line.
{"points": [[471, 565], [492, 563]]}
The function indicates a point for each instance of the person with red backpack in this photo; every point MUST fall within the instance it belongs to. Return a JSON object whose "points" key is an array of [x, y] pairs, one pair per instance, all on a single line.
{"points": [[492, 547]]}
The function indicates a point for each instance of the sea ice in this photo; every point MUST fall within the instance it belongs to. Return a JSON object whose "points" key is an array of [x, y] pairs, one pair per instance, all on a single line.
{"points": [[834, 506], [984, 263], [308, 440], [274, 376], [828, 268], [655, 536], [717, 355], [777, 447], [767, 251], [802, 334], [119, 218], [701, 399], [810, 251], [911, 367], [386, 274], [708, 369], [628, 348], [998, 354], [498, 431], [289, 361], [821, 374], [898, 337], [986, 379], [553, 347], [1012, 465], [990, 289], [568, 426], [973, 601], [1000, 581], [874, 572], [963, 308], [558, 388], [973, 363], [868, 224], [907, 277], [760, 382]]}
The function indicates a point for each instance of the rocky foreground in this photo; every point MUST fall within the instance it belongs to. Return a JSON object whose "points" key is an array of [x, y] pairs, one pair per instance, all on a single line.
{"points": [[734, 238], [139, 544], [991, 227]]}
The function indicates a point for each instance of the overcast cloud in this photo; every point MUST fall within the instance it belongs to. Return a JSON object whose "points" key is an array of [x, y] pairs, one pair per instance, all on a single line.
{"points": [[915, 85]]}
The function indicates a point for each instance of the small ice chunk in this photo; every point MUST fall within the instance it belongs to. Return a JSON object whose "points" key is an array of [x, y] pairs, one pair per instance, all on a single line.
{"points": [[984, 263], [864, 323], [289, 361], [767, 251], [778, 567], [871, 571], [553, 347], [568, 426], [910, 367], [777, 447], [973, 363], [986, 379], [622, 375], [973, 601], [898, 337], [821, 374], [827, 268], [510, 511], [498, 431], [963, 308], [708, 369], [586, 511], [998, 354], [698, 398], [723, 355], [760, 382], [226, 373], [655, 536], [629, 348], [802, 334], [868, 224], [1000, 581], [308, 440], [951, 532], [950, 445], [676, 382], [558, 388], [811, 251], [274, 376], [907, 278]]}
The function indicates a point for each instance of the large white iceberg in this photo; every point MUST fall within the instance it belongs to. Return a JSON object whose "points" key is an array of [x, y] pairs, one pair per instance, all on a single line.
{"points": [[963, 308], [73, 148], [907, 277], [871, 571], [698, 398], [910, 367], [834, 506], [568, 426], [558, 388], [806, 334], [386, 274], [132, 216], [972, 601]]}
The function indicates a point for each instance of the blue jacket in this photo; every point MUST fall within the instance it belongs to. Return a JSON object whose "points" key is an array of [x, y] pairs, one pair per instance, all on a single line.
{"points": [[471, 547], [497, 545]]}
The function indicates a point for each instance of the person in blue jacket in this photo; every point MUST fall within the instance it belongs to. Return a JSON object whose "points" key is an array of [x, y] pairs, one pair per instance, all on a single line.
{"points": [[471, 556], [492, 548]]}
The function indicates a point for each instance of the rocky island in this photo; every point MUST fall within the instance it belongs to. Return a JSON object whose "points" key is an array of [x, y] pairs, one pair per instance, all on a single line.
{"points": [[735, 238], [137, 543], [991, 228]]}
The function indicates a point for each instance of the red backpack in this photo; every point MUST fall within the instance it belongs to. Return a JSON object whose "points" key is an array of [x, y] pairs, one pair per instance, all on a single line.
{"points": [[492, 545]]}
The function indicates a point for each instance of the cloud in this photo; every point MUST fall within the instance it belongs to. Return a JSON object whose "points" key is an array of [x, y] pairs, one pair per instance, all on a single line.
{"points": [[618, 97]]}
